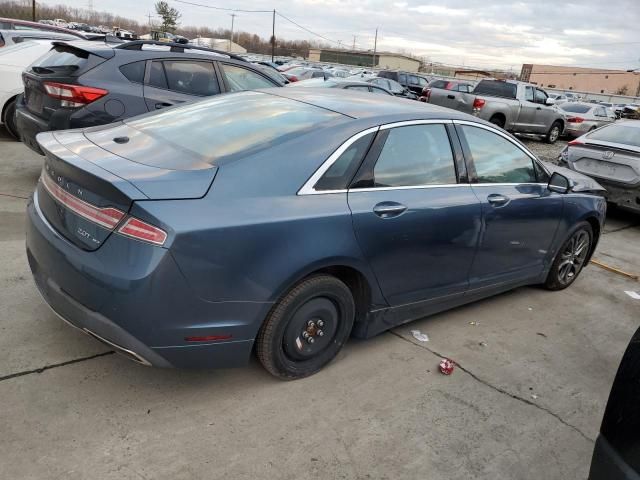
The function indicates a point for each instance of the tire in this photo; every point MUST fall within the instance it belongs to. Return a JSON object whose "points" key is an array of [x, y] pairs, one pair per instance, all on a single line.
{"points": [[554, 133], [9, 119], [497, 120], [571, 258], [281, 345]]}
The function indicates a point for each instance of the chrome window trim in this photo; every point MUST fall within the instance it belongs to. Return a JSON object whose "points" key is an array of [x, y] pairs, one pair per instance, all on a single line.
{"points": [[308, 187]]}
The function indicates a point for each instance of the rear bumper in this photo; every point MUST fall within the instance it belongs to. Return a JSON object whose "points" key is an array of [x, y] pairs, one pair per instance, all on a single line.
{"points": [[575, 130], [607, 464], [627, 197], [133, 297], [29, 126]]}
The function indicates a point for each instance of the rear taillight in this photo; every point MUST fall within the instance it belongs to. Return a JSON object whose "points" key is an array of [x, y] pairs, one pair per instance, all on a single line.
{"points": [[478, 103], [144, 231], [107, 217], [427, 93], [575, 120], [292, 78], [73, 95], [575, 142]]}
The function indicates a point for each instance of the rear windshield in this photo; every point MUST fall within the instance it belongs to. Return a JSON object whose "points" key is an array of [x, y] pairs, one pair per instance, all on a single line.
{"points": [[62, 58], [224, 126], [496, 88], [619, 133], [573, 108]]}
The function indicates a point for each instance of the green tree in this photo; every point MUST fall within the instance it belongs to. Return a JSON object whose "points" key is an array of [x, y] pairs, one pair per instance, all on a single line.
{"points": [[170, 16]]}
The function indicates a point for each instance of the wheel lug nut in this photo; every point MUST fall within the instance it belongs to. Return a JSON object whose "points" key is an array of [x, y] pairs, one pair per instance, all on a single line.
{"points": [[320, 333], [320, 323], [305, 335], [311, 324], [310, 340]]}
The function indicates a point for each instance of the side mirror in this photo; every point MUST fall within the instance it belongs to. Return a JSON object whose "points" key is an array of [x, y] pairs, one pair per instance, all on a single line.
{"points": [[559, 183], [550, 101]]}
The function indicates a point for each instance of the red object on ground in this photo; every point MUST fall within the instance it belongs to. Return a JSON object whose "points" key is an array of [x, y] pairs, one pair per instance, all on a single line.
{"points": [[446, 366]]}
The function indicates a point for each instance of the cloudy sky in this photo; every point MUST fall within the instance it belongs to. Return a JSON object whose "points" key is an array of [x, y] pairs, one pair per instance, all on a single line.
{"points": [[475, 33]]}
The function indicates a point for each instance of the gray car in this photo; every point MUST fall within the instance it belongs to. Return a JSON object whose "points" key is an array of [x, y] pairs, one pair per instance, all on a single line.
{"points": [[337, 82], [581, 118], [611, 155]]}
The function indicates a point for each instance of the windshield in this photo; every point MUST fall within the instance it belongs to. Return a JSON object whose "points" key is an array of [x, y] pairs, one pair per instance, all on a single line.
{"points": [[225, 126]]}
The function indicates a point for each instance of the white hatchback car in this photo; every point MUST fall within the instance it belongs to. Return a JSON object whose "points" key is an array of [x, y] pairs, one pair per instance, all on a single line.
{"points": [[13, 60]]}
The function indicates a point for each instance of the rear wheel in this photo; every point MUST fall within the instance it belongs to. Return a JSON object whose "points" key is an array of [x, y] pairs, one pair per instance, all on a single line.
{"points": [[9, 119], [554, 133], [307, 328], [570, 258], [497, 120]]}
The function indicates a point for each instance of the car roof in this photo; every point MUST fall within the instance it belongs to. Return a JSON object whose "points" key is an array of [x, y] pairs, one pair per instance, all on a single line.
{"points": [[360, 104]]}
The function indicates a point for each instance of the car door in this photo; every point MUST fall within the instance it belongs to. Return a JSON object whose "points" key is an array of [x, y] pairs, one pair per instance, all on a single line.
{"points": [[416, 223], [171, 82], [545, 114], [520, 215], [527, 116]]}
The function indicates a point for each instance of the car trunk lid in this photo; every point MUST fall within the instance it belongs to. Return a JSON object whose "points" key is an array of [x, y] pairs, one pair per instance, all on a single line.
{"points": [[86, 191]]}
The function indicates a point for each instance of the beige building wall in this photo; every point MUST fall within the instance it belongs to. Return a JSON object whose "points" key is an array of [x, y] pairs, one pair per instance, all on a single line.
{"points": [[392, 62], [583, 79], [314, 55]]}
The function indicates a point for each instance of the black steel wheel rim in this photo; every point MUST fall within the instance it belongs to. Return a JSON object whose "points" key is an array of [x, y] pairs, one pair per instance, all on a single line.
{"points": [[573, 257], [311, 329]]}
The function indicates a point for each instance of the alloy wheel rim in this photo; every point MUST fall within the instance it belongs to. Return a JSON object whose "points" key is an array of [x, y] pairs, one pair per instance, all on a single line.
{"points": [[555, 132], [573, 257]]}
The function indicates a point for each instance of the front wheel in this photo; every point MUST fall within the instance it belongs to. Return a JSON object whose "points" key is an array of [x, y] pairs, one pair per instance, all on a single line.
{"points": [[570, 258], [554, 133], [307, 328]]}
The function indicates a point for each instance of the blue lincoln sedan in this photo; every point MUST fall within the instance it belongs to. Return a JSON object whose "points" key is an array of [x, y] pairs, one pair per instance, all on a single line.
{"points": [[285, 222]]}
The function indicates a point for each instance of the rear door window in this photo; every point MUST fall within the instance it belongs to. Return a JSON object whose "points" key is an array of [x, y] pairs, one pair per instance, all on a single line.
{"points": [[496, 159], [239, 78], [157, 78], [415, 155], [496, 88], [193, 78]]}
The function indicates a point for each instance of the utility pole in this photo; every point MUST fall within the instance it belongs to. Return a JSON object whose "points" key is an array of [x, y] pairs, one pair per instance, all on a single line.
{"points": [[233, 17], [33, 10], [273, 36], [354, 43], [375, 47]]}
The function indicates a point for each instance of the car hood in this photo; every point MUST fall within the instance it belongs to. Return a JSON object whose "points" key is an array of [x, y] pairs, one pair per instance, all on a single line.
{"points": [[581, 183]]}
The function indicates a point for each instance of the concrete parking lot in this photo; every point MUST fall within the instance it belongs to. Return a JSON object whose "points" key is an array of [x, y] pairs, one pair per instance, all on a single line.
{"points": [[526, 401]]}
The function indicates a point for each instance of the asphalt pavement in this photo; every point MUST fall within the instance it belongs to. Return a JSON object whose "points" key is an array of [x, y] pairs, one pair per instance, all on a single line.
{"points": [[525, 401]]}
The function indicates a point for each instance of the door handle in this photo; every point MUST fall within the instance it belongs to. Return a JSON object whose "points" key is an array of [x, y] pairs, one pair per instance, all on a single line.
{"points": [[538, 108], [389, 209], [497, 200], [451, 97], [160, 105]]}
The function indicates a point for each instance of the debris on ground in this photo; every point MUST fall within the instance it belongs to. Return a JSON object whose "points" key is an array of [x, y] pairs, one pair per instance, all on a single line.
{"points": [[446, 366], [541, 334], [483, 344], [634, 295], [530, 309], [534, 396], [418, 335], [474, 323]]}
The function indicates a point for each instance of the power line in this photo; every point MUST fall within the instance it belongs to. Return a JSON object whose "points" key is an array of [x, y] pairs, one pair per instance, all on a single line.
{"points": [[307, 30], [222, 8]]}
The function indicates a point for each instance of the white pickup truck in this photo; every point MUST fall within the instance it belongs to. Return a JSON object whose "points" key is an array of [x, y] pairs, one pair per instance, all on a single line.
{"points": [[517, 107]]}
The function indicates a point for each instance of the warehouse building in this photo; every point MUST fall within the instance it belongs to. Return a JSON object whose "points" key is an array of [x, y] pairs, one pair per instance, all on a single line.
{"points": [[360, 58], [595, 80]]}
